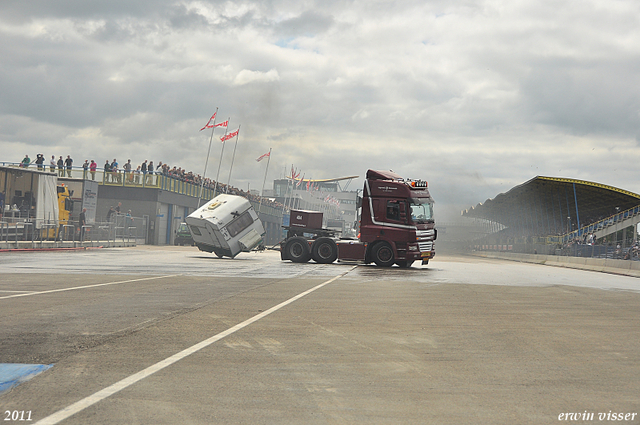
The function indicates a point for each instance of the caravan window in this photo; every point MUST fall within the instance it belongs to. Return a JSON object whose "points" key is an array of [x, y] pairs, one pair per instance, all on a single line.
{"points": [[239, 224]]}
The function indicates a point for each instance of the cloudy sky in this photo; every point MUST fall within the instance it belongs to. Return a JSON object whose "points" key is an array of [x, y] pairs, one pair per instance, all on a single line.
{"points": [[475, 96]]}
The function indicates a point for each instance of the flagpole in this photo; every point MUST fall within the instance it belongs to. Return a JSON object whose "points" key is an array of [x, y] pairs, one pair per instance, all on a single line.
{"points": [[284, 204], [233, 157], [204, 173], [221, 154], [264, 181], [293, 173]]}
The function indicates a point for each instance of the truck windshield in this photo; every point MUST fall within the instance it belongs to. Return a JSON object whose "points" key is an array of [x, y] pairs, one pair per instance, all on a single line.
{"points": [[421, 210]]}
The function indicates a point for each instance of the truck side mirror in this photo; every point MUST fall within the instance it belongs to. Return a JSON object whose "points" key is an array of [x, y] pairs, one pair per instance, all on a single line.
{"points": [[403, 211]]}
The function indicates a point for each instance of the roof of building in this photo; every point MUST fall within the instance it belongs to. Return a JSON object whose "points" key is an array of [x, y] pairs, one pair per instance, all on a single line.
{"points": [[549, 205]]}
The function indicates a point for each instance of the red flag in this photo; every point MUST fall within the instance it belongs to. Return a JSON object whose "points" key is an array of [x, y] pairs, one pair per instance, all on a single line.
{"points": [[213, 118], [230, 135], [266, 155], [222, 124]]}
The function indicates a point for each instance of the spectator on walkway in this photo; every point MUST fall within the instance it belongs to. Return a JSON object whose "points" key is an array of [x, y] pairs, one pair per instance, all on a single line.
{"points": [[150, 172], [92, 168], [85, 169], [52, 164], [107, 171], [40, 162], [25, 161], [60, 167], [115, 176], [68, 162], [127, 171]]}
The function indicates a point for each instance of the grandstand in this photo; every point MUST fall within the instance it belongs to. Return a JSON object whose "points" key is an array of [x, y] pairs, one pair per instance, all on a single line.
{"points": [[553, 215]]}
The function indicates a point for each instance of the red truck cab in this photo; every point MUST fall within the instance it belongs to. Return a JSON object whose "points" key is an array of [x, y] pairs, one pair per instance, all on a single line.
{"points": [[396, 222], [396, 227]]}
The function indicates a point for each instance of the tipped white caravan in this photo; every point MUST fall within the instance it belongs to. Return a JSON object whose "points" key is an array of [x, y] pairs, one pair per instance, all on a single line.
{"points": [[226, 226]]}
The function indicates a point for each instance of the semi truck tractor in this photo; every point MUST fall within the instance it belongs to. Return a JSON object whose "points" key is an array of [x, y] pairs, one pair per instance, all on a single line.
{"points": [[226, 226], [396, 226]]}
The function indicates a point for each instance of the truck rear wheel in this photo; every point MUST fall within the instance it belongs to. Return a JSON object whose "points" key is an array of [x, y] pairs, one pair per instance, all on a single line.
{"points": [[297, 249], [382, 255], [324, 251]]}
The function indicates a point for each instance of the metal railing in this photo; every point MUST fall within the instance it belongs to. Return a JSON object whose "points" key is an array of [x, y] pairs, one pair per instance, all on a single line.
{"points": [[598, 225], [122, 231], [154, 180]]}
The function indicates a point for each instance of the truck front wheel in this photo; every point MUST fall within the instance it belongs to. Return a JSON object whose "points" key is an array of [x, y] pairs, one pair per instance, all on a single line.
{"points": [[324, 251], [382, 255], [297, 249]]}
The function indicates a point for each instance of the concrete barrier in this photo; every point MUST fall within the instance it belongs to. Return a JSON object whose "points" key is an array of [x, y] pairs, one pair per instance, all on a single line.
{"points": [[622, 267], [63, 245]]}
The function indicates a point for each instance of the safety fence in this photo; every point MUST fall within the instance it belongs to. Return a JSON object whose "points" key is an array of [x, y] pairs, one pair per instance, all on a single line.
{"points": [[121, 231], [608, 251]]}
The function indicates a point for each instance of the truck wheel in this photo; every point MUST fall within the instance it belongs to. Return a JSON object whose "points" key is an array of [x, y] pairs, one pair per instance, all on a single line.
{"points": [[324, 251], [382, 255], [297, 249]]}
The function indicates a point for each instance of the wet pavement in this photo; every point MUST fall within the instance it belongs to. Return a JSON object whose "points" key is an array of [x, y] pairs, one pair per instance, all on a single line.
{"points": [[188, 261], [462, 340]]}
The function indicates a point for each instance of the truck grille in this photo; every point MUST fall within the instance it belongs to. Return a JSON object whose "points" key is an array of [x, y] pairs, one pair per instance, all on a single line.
{"points": [[422, 234], [425, 239], [426, 246]]}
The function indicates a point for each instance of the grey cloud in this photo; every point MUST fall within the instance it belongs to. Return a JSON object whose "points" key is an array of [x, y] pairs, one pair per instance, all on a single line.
{"points": [[307, 24], [601, 97], [181, 17], [21, 11]]}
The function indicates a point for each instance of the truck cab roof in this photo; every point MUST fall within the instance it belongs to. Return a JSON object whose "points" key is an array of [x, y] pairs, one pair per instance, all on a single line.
{"points": [[388, 183], [383, 175]]}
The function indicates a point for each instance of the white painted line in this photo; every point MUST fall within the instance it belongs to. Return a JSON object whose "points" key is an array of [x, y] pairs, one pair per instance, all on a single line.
{"points": [[126, 382], [83, 287]]}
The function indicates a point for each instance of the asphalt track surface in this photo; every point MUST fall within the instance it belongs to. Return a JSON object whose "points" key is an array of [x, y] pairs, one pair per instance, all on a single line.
{"points": [[169, 335]]}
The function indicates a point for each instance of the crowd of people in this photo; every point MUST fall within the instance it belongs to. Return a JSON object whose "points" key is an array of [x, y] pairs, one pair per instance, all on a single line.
{"points": [[143, 173]]}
